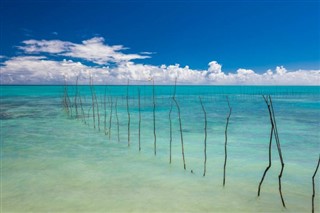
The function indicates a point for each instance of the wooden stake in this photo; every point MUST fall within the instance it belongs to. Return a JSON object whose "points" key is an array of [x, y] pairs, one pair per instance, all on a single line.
{"points": [[270, 143], [139, 118], [313, 185], [82, 110], [66, 100], [154, 119], [180, 124], [225, 143], [105, 111], [110, 117], [128, 113], [98, 113], [205, 138], [279, 150], [75, 98], [116, 108], [92, 97], [170, 132]]}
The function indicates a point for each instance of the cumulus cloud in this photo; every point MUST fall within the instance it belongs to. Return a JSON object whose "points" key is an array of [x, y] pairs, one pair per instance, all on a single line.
{"points": [[93, 50], [281, 70], [42, 70], [39, 68], [45, 46], [214, 67]]}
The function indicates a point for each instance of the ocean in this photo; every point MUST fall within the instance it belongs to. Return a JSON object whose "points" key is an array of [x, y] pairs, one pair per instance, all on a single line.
{"points": [[73, 149]]}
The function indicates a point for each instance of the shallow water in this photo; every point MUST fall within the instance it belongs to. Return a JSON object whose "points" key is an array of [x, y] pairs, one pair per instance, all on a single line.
{"points": [[52, 162]]}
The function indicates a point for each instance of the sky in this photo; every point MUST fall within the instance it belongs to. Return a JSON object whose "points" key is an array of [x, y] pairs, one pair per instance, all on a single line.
{"points": [[215, 42]]}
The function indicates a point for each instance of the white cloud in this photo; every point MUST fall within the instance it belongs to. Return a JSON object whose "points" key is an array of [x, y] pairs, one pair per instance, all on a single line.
{"points": [[244, 72], [281, 70], [147, 53], [44, 46], [39, 69], [42, 69], [214, 67], [93, 50]]}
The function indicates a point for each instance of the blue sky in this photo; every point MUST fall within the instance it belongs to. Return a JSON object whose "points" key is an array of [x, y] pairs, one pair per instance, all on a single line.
{"points": [[251, 35]]}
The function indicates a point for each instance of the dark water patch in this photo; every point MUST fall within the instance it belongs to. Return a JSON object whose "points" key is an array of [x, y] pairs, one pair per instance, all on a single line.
{"points": [[31, 115], [8, 116], [5, 116], [12, 104]]}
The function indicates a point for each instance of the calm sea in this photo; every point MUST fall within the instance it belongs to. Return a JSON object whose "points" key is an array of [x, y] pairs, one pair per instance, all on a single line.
{"points": [[69, 155]]}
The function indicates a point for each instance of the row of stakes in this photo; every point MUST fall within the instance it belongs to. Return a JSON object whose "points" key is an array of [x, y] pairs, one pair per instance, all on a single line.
{"points": [[77, 103]]}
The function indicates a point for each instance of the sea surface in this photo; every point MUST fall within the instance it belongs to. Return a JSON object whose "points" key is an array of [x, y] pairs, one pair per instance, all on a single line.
{"points": [[70, 148]]}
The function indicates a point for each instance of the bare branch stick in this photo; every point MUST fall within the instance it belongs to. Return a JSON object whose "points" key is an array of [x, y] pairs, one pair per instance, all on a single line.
{"points": [[313, 185], [226, 142], [270, 143], [98, 112], [82, 110], [154, 119], [279, 150], [105, 111], [116, 108], [139, 118], [205, 138], [75, 98], [65, 99], [170, 132], [128, 113], [110, 117], [180, 124], [92, 97]]}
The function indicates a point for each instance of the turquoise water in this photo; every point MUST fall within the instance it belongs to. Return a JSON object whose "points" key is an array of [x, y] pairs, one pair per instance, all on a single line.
{"points": [[52, 162]]}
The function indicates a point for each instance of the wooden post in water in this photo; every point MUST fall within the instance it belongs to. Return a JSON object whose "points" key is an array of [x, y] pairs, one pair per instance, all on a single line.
{"points": [[180, 124], [105, 111], [82, 110], [226, 142], [66, 100], [92, 97], [270, 143], [116, 108], [128, 113], [75, 98], [170, 143], [279, 150], [205, 138], [154, 119], [98, 112], [139, 106], [313, 185], [110, 117]]}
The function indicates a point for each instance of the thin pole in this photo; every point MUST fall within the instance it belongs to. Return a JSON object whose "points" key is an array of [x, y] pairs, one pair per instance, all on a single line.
{"points": [[270, 143], [139, 118], [205, 138], [128, 113], [154, 119], [279, 150], [313, 185], [226, 142], [116, 108]]}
